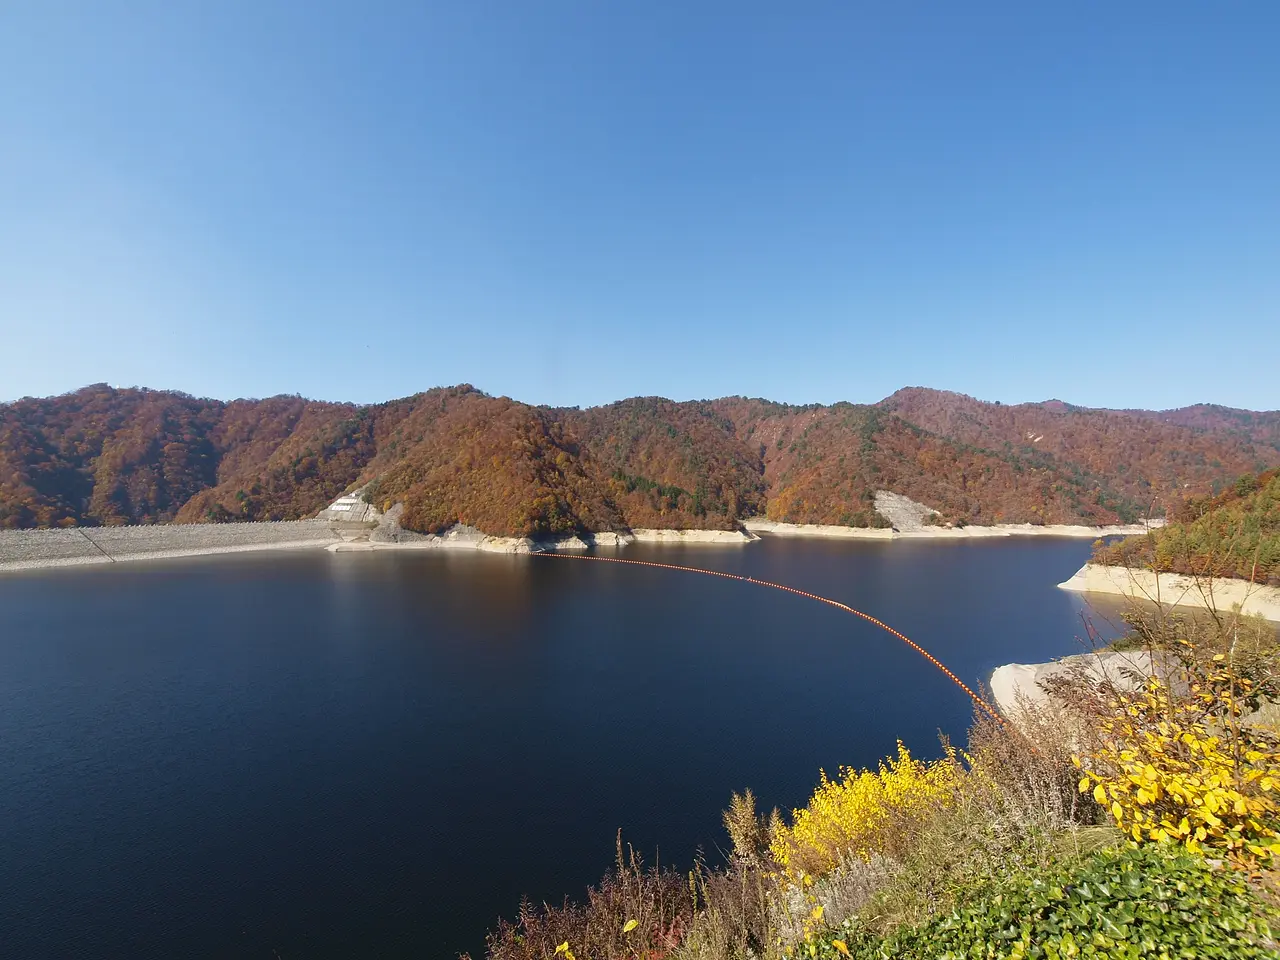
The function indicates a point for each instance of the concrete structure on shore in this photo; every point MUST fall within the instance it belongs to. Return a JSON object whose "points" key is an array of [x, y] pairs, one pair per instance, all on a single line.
{"points": [[349, 508], [76, 546]]}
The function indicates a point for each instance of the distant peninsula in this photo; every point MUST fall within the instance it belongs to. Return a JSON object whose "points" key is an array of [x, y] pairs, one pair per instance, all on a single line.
{"points": [[1219, 552]]}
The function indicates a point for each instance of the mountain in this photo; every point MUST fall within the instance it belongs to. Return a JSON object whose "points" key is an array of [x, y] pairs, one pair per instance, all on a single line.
{"points": [[1262, 428], [103, 455], [1147, 457], [824, 465]]}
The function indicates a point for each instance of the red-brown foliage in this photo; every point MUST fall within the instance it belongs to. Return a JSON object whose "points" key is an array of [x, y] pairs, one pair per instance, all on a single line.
{"points": [[104, 456]]}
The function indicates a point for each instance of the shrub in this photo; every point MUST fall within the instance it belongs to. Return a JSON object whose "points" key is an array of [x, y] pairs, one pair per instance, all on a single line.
{"points": [[864, 812], [1184, 768], [1130, 903]]}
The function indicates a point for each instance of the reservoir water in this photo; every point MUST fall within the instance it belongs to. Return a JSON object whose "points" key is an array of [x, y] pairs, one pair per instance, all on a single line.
{"points": [[310, 755]]}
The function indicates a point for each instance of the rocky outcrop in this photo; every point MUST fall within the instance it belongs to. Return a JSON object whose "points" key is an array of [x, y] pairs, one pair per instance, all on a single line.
{"points": [[903, 513]]}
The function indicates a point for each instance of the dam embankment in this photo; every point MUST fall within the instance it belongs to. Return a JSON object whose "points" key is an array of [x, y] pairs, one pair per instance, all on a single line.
{"points": [[76, 546]]}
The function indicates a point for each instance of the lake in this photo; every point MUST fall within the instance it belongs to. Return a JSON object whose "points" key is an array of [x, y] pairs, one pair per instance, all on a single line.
{"points": [[314, 755]]}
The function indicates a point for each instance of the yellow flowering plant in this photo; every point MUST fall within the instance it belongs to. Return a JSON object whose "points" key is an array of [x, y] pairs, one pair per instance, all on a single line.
{"points": [[862, 812], [1184, 767]]}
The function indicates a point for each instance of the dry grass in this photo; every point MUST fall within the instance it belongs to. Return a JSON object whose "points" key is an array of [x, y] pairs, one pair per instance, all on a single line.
{"points": [[662, 903]]}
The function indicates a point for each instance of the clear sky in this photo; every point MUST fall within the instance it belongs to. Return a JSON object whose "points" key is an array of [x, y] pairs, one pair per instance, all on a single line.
{"points": [[573, 202]]}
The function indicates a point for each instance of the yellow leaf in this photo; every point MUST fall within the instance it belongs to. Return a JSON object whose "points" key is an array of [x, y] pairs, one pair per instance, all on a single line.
{"points": [[841, 946], [630, 925], [563, 948], [1099, 794]]}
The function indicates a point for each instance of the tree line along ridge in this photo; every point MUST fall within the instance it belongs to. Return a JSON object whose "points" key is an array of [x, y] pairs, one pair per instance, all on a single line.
{"points": [[107, 456]]}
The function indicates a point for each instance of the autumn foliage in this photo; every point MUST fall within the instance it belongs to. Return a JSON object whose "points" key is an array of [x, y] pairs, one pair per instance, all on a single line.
{"points": [[1235, 534], [456, 455]]}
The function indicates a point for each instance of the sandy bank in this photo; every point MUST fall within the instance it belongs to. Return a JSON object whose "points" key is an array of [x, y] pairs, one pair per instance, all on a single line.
{"points": [[693, 536], [1016, 684], [939, 533], [1025, 530], [1175, 590], [468, 538], [774, 528]]}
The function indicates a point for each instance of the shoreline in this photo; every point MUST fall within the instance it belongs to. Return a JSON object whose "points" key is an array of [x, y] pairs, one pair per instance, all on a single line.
{"points": [[1172, 589], [1075, 531], [470, 539], [89, 546], [26, 550]]}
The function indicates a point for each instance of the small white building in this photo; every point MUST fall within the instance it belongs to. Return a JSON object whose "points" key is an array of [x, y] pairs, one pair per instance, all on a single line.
{"points": [[349, 507]]}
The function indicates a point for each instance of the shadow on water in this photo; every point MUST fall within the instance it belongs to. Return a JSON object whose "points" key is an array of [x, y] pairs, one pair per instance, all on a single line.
{"points": [[376, 754]]}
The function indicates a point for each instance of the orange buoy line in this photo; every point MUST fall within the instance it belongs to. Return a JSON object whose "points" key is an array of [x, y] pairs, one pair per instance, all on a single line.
{"points": [[812, 596]]}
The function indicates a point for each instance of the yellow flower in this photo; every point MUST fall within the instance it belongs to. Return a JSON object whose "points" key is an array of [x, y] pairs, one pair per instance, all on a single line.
{"points": [[862, 811], [1170, 774]]}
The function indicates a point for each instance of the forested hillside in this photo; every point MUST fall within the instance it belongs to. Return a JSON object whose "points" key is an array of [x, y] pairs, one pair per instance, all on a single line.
{"points": [[1261, 428], [1235, 534], [456, 455], [824, 464], [460, 456], [672, 464], [1142, 456]]}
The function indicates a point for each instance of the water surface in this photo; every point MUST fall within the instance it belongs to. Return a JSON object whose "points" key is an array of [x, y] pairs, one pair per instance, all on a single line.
{"points": [[309, 755]]}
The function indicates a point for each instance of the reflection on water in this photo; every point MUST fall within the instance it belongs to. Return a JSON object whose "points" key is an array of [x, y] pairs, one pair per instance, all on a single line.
{"points": [[328, 755]]}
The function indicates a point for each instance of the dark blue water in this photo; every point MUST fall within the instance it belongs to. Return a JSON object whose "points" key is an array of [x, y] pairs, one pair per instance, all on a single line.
{"points": [[310, 755]]}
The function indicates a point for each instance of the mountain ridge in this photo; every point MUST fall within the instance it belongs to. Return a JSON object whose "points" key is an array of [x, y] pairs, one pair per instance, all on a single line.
{"points": [[105, 455]]}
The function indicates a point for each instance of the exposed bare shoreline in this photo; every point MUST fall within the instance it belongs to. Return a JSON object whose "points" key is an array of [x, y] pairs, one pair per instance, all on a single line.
{"points": [[40, 549], [940, 533], [1175, 590]]}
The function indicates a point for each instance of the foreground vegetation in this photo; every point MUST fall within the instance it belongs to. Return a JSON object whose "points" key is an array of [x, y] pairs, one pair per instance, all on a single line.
{"points": [[1137, 816]]}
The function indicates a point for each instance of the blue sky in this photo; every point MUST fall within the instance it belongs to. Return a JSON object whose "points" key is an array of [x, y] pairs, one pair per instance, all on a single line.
{"points": [[573, 202]]}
